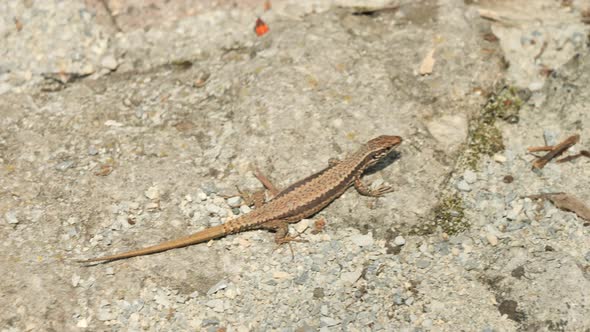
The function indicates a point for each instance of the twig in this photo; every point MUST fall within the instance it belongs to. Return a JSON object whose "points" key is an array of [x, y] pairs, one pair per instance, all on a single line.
{"points": [[583, 153], [540, 148], [557, 150]]}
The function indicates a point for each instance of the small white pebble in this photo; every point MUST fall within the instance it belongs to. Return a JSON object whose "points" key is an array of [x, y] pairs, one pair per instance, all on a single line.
{"points": [[499, 158], [152, 193], [82, 323], [469, 176], [462, 185], [202, 196], [234, 201], [11, 218], [245, 209], [399, 240], [109, 62]]}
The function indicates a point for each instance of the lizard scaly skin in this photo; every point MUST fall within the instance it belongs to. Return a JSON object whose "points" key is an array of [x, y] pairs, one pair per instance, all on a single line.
{"points": [[300, 200]]}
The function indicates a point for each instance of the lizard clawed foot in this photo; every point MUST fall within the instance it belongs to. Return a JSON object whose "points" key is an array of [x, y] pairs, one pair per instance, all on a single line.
{"points": [[381, 190]]}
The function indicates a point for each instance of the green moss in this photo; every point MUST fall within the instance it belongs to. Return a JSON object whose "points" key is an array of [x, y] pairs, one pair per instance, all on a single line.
{"points": [[484, 137], [449, 215]]}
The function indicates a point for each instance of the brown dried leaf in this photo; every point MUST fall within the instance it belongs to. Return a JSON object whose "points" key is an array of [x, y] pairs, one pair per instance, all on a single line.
{"points": [[568, 202]]}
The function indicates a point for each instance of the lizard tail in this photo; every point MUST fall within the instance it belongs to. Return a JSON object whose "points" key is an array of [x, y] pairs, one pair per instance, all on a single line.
{"points": [[199, 237]]}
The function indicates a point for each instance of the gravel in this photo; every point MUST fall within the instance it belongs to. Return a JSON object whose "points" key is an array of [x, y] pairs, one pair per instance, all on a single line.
{"points": [[182, 123]]}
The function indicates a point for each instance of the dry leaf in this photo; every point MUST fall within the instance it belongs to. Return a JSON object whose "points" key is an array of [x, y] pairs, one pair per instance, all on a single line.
{"points": [[567, 202]]}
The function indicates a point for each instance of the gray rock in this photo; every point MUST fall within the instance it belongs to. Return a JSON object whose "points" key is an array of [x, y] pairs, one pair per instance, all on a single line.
{"points": [[469, 176], [462, 185], [64, 165], [423, 263], [399, 240], [328, 321], [11, 218], [109, 62], [222, 284], [215, 304], [234, 201], [550, 137]]}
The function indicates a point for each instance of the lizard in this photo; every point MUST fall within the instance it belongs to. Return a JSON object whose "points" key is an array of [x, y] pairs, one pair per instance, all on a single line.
{"points": [[300, 200]]}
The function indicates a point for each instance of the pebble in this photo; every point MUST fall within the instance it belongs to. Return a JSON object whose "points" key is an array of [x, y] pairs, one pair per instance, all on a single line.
{"points": [[202, 196], [351, 277], [469, 176], [499, 158], [213, 209], [423, 263], [92, 151], [152, 193], [363, 240], [399, 240], [161, 298], [462, 185], [11, 218], [492, 239], [587, 257], [234, 201], [82, 323], [536, 86], [109, 62], [245, 209], [222, 284], [215, 304], [302, 278], [105, 314], [113, 123], [64, 165], [514, 212], [328, 321], [231, 292], [550, 137]]}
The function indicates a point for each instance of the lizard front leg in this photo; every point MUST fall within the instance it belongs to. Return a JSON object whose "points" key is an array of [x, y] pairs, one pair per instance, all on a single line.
{"points": [[363, 189], [258, 198]]}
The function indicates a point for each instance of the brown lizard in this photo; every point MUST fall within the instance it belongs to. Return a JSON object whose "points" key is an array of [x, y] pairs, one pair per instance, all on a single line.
{"points": [[300, 200]]}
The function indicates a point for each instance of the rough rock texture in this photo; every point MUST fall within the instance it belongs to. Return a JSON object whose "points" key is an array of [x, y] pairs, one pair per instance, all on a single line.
{"points": [[118, 132]]}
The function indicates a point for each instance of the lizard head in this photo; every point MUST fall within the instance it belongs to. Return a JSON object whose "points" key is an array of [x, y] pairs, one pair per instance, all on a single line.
{"points": [[381, 146]]}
